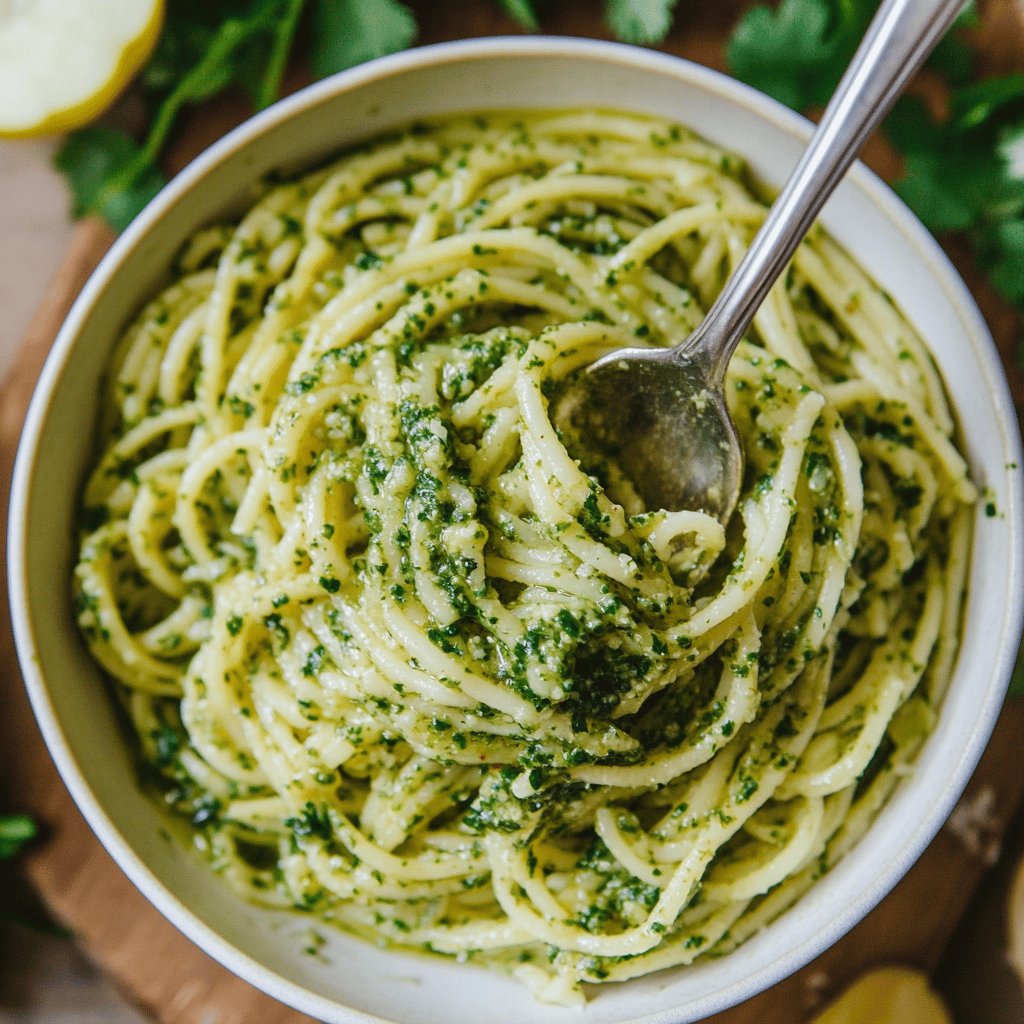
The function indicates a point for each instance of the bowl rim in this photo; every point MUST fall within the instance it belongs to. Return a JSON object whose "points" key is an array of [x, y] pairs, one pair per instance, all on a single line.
{"points": [[468, 51]]}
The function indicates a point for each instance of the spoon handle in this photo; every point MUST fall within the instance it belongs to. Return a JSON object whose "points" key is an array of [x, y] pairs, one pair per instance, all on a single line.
{"points": [[897, 42]]}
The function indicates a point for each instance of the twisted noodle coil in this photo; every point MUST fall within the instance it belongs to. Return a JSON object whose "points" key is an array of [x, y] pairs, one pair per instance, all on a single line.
{"points": [[413, 662]]}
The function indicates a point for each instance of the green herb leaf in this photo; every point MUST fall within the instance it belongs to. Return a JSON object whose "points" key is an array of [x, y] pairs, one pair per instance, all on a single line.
{"points": [[108, 175], [260, 34], [348, 32], [798, 52], [975, 104], [267, 85], [1004, 255], [521, 11], [203, 50], [639, 21], [909, 126], [15, 831], [189, 29], [967, 173], [953, 58], [947, 188]]}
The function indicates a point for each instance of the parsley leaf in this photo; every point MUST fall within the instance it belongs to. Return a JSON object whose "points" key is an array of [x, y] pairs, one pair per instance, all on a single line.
{"points": [[950, 177], [198, 56], [263, 79], [521, 11], [195, 27], [348, 32], [953, 58], [15, 831], [639, 21], [967, 173], [189, 31], [798, 52], [206, 48], [975, 104], [100, 166], [928, 187], [1003, 252], [224, 60], [962, 174]]}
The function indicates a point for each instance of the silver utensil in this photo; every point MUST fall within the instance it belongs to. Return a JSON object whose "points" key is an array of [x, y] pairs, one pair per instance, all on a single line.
{"points": [[664, 409]]}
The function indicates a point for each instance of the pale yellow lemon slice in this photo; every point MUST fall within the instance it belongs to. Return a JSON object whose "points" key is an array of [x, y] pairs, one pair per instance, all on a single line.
{"points": [[888, 995], [63, 61]]}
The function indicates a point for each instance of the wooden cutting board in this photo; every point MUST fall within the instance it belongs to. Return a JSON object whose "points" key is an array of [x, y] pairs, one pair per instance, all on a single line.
{"points": [[171, 979]]}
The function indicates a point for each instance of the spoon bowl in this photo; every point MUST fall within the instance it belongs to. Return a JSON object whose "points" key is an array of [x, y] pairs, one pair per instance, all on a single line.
{"points": [[656, 413]]}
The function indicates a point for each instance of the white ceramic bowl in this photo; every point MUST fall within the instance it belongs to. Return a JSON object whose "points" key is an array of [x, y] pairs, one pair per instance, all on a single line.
{"points": [[354, 982]]}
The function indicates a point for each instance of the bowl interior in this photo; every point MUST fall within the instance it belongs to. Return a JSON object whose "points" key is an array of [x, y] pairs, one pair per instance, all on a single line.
{"points": [[350, 980]]}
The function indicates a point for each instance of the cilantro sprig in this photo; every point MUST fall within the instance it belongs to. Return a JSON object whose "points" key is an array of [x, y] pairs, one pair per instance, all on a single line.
{"points": [[798, 51], [17, 902], [963, 174], [639, 21], [206, 49], [348, 32], [966, 174], [15, 831], [203, 50]]}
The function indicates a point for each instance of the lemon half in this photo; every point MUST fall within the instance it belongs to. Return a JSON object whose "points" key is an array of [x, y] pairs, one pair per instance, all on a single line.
{"points": [[63, 61], [888, 995]]}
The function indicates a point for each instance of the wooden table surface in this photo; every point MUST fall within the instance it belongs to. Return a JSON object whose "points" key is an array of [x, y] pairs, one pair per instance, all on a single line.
{"points": [[160, 970], [44, 979]]}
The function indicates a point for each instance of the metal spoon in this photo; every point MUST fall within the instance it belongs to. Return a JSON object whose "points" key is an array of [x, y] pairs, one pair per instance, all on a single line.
{"points": [[663, 410]]}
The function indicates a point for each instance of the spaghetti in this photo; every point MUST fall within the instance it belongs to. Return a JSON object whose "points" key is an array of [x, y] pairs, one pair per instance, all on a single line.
{"points": [[413, 665]]}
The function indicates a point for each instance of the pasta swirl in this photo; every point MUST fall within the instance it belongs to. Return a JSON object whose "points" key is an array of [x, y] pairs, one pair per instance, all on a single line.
{"points": [[415, 663]]}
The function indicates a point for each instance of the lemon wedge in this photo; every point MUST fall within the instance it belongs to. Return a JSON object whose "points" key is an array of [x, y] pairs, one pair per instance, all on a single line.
{"points": [[888, 995], [63, 61]]}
